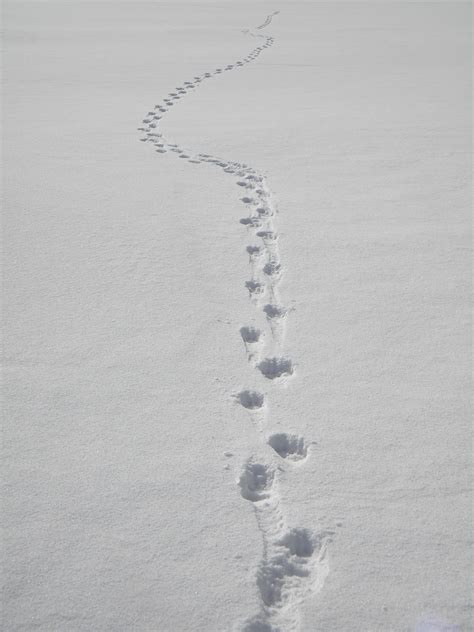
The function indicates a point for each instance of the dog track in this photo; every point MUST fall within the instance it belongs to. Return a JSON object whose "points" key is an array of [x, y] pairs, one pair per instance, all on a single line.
{"points": [[289, 446], [256, 481], [251, 222], [254, 251], [272, 269], [252, 338], [251, 400], [294, 560], [273, 368], [255, 288], [250, 334]]}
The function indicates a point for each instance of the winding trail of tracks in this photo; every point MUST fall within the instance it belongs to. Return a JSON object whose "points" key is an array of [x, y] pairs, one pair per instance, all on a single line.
{"points": [[294, 560]]}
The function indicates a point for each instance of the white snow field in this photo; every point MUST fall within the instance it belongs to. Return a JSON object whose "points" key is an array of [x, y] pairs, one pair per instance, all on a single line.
{"points": [[236, 373]]}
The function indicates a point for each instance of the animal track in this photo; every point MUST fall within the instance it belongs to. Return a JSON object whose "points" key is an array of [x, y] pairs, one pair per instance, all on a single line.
{"points": [[254, 251], [273, 575], [250, 334], [255, 288], [273, 368], [256, 625], [289, 446], [252, 400], [297, 559], [252, 222], [293, 560], [272, 268], [300, 542], [268, 236], [251, 337], [256, 481], [275, 311]]}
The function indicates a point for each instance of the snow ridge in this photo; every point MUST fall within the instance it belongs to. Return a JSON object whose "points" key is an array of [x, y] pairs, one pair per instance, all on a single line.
{"points": [[294, 563]]}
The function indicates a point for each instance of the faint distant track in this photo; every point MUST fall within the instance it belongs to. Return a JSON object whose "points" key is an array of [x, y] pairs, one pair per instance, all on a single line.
{"points": [[268, 20], [294, 561]]}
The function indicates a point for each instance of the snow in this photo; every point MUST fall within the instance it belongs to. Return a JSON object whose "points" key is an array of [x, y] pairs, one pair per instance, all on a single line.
{"points": [[202, 436]]}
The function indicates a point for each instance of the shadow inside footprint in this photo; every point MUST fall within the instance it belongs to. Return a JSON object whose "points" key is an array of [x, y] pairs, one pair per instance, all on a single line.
{"points": [[272, 269], [289, 446], [274, 575], [250, 334], [268, 236], [273, 368], [254, 251], [256, 481], [275, 311], [251, 399], [255, 288], [253, 222], [257, 625], [300, 542]]}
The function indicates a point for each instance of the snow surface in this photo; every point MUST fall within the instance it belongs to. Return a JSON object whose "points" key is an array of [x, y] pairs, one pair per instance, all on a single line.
{"points": [[197, 439]]}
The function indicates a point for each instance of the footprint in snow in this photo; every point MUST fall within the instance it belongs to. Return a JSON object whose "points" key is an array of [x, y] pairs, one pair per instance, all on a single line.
{"points": [[256, 481], [268, 236], [275, 312], [250, 334], [289, 446], [252, 400], [273, 368], [255, 288], [251, 222], [254, 252], [272, 269]]}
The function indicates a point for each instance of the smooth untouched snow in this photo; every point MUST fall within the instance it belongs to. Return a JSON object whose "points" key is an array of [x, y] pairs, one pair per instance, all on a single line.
{"points": [[236, 289]]}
